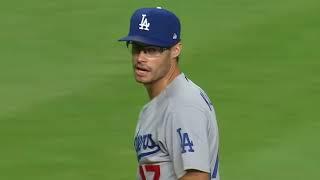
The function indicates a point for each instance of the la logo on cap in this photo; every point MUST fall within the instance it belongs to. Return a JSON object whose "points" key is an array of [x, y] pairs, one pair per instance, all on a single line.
{"points": [[144, 25]]}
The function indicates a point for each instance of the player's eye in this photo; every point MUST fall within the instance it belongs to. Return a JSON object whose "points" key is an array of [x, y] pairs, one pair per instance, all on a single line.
{"points": [[135, 49], [151, 50]]}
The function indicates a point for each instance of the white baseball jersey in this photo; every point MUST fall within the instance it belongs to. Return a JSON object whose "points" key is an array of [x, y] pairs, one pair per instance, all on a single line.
{"points": [[177, 131]]}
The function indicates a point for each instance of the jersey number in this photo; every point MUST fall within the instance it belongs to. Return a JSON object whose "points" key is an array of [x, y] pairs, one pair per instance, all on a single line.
{"points": [[150, 168]]}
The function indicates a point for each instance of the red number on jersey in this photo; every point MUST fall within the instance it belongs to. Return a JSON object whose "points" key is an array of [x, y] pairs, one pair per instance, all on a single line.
{"points": [[150, 168]]}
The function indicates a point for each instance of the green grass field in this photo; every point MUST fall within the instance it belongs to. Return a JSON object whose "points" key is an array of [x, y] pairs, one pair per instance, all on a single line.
{"points": [[69, 103]]}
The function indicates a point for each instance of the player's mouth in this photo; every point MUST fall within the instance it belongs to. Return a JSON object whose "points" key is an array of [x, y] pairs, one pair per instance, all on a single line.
{"points": [[141, 70]]}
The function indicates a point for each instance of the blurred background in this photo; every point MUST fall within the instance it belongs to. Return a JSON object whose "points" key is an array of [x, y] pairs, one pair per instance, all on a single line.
{"points": [[69, 103]]}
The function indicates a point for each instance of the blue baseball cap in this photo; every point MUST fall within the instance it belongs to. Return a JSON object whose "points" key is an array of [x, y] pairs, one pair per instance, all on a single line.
{"points": [[154, 26]]}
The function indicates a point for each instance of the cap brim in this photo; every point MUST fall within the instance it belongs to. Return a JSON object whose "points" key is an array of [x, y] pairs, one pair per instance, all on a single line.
{"points": [[144, 40]]}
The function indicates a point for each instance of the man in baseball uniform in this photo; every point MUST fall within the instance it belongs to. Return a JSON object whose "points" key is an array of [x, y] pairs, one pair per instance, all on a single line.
{"points": [[177, 134]]}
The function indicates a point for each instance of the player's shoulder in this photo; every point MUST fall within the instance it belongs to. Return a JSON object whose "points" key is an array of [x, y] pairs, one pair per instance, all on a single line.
{"points": [[184, 94]]}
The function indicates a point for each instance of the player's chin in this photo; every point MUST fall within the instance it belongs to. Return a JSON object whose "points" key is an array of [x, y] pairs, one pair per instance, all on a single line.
{"points": [[142, 77], [142, 80]]}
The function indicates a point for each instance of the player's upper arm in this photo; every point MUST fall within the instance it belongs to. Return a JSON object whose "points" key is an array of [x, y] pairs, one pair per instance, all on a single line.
{"points": [[187, 141], [195, 175]]}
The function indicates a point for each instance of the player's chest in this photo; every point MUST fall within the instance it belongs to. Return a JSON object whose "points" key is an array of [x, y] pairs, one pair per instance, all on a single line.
{"points": [[149, 136]]}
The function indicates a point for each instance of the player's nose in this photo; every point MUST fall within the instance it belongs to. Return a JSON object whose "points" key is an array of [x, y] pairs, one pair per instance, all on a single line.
{"points": [[140, 57]]}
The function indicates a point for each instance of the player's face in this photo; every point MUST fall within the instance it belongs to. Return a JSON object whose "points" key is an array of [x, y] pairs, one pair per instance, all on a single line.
{"points": [[150, 63]]}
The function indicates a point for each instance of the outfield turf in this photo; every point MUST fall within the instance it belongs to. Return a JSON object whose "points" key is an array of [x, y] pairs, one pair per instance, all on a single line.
{"points": [[69, 104]]}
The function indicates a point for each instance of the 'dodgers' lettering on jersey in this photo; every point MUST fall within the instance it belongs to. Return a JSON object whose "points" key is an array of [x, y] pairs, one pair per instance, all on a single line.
{"points": [[145, 145]]}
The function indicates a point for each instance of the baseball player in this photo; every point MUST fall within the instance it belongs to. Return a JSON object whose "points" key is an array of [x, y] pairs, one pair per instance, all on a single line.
{"points": [[177, 134]]}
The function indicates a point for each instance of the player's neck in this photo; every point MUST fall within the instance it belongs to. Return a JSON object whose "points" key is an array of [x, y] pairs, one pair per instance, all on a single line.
{"points": [[157, 87]]}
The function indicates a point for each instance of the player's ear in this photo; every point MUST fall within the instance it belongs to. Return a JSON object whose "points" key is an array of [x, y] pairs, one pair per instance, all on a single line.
{"points": [[176, 50]]}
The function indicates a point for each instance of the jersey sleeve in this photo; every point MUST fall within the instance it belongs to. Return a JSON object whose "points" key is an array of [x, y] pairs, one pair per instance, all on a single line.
{"points": [[187, 140]]}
